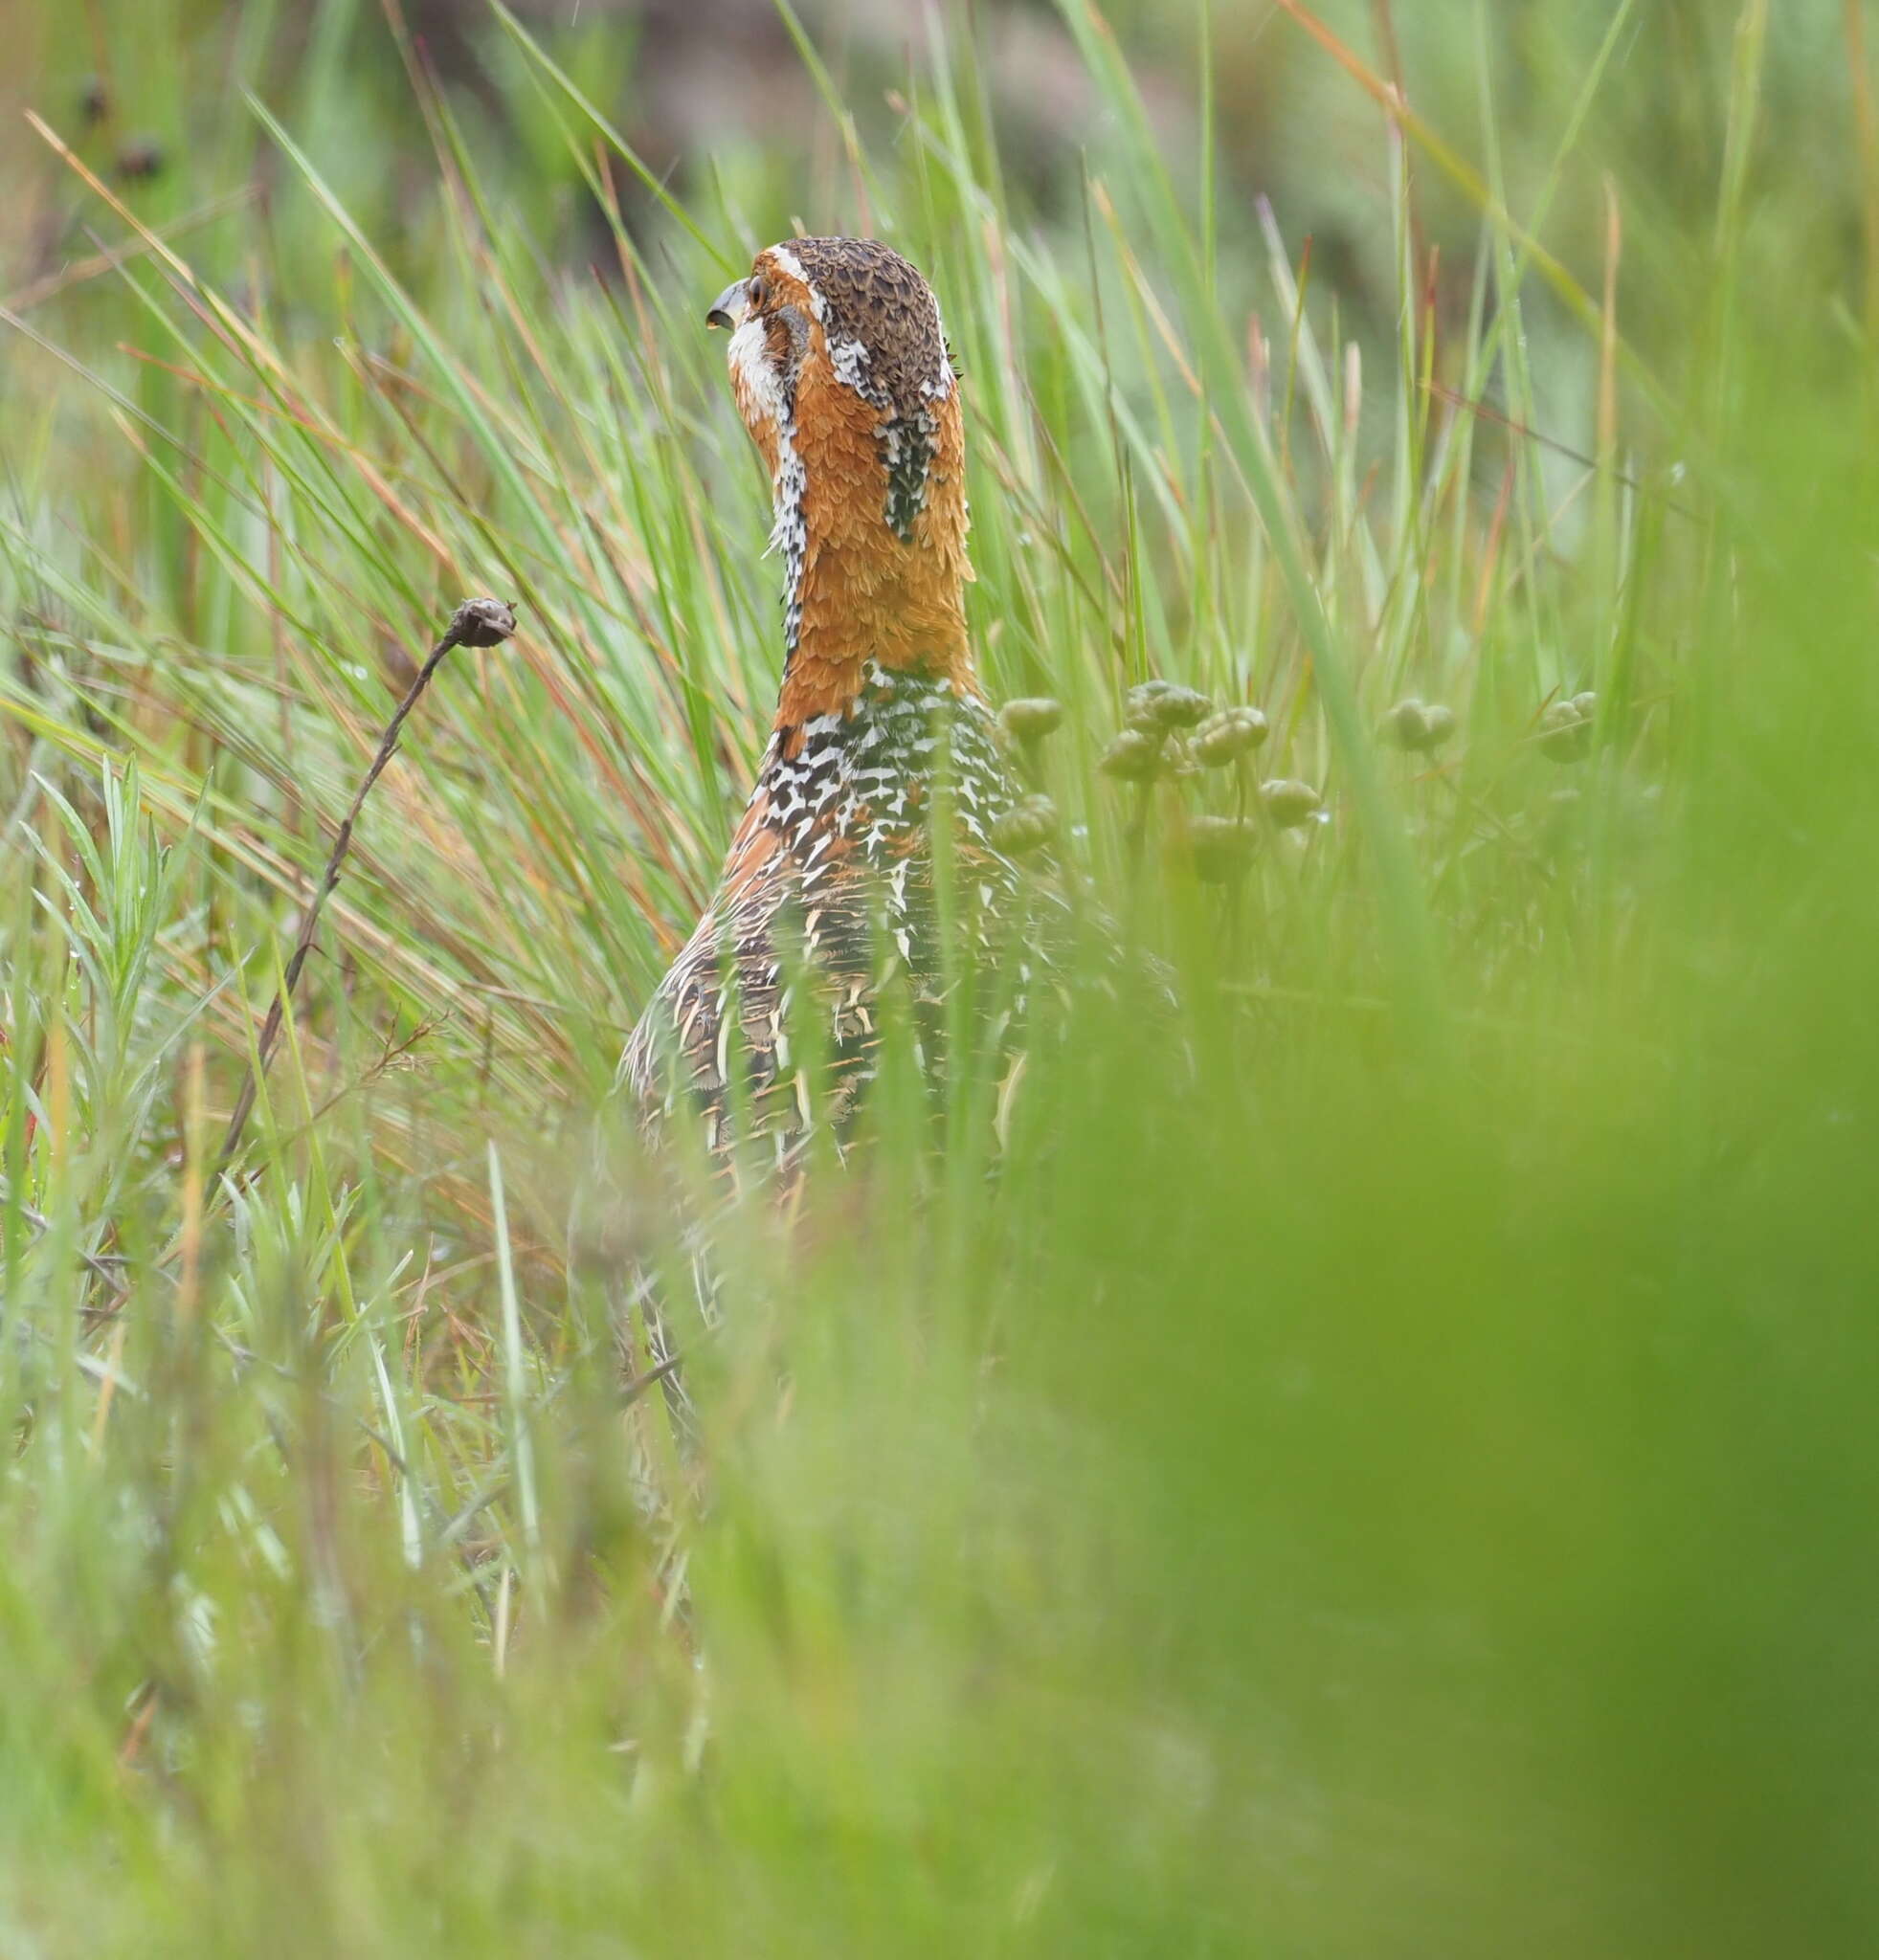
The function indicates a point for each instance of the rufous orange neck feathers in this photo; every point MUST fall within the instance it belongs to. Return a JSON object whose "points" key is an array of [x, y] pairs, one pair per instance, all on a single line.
{"points": [[842, 374]]}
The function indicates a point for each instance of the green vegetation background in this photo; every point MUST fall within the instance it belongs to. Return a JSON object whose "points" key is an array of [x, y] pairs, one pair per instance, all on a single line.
{"points": [[1407, 1486]]}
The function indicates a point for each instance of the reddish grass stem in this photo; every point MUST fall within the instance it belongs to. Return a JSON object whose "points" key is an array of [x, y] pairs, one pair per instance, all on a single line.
{"points": [[475, 623]]}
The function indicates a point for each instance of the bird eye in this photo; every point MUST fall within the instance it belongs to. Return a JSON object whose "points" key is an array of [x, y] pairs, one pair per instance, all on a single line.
{"points": [[758, 291]]}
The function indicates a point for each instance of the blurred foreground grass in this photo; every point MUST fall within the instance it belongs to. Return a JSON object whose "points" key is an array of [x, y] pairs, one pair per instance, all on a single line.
{"points": [[1402, 1490]]}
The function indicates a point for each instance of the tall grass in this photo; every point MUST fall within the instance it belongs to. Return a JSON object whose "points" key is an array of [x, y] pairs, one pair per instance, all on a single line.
{"points": [[1397, 1484]]}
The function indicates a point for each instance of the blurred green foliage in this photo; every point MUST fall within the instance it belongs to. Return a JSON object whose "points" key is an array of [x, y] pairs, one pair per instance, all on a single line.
{"points": [[1392, 1483]]}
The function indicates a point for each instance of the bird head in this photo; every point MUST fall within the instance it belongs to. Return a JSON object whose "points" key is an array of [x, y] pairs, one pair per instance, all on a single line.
{"points": [[841, 372]]}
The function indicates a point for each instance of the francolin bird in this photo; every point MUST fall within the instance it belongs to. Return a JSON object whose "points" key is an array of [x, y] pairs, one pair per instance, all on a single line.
{"points": [[827, 902]]}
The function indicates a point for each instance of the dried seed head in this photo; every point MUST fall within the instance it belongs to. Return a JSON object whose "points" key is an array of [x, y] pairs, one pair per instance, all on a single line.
{"points": [[1565, 732], [1289, 803], [1027, 826], [141, 157], [1134, 756], [1030, 718], [1163, 704], [94, 98], [483, 622], [1223, 846], [1228, 734]]}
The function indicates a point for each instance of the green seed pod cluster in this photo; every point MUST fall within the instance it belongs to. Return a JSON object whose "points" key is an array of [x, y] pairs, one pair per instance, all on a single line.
{"points": [[1164, 704], [1228, 734], [1030, 718], [1417, 726], [1028, 826], [1171, 732], [1287, 803], [1222, 846], [1134, 756], [1177, 757], [1566, 728]]}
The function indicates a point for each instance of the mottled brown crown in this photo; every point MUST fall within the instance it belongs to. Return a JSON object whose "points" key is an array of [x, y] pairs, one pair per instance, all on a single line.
{"points": [[870, 294]]}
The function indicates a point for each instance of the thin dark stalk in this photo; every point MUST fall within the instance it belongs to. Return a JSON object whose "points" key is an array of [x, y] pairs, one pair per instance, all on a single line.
{"points": [[475, 623]]}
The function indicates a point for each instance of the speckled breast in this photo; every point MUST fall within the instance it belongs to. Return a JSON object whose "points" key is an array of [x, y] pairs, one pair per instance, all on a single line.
{"points": [[825, 924]]}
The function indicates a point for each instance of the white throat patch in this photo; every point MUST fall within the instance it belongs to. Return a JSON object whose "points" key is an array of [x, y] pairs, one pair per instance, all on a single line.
{"points": [[761, 396]]}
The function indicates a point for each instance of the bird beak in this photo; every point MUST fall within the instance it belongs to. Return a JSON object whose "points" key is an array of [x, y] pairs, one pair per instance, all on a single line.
{"points": [[729, 308]]}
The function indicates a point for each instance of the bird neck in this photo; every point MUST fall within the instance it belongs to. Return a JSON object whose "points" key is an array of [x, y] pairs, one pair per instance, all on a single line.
{"points": [[874, 577]]}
